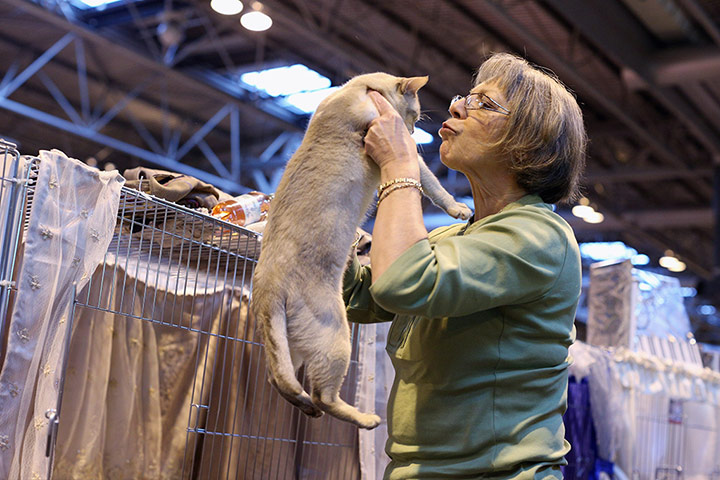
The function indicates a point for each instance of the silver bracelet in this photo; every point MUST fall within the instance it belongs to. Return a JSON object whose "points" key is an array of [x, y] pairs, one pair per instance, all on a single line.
{"points": [[395, 181], [387, 191]]}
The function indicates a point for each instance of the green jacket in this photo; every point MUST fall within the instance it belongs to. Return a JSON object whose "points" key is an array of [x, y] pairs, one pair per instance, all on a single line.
{"points": [[482, 320]]}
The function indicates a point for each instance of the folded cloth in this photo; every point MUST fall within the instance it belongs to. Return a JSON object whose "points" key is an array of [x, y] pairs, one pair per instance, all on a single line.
{"points": [[174, 187]]}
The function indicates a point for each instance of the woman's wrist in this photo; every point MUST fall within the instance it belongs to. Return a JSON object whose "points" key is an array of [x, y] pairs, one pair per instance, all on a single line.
{"points": [[400, 170]]}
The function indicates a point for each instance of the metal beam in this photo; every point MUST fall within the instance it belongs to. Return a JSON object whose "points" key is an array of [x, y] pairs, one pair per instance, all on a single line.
{"points": [[37, 64], [119, 145], [701, 16], [114, 45], [677, 66], [610, 28], [652, 235], [168, 157], [646, 175], [526, 40], [646, 219]]}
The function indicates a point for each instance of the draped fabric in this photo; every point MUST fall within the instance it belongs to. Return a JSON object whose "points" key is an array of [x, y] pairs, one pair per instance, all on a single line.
{"points": [[130, 382], [375, 380], [175, 387], [651, 413], [70, 227]]}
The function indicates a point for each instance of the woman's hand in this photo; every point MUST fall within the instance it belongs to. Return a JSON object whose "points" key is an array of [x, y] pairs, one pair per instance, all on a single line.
{"points": [[388, 141], [399, 221]]}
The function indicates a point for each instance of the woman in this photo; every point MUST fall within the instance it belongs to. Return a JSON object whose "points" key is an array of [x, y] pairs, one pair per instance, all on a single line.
{"points": [[482, 312]]}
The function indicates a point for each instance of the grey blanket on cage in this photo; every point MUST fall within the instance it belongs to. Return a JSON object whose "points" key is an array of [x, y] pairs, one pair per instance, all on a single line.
{"points": [[173, 187]]}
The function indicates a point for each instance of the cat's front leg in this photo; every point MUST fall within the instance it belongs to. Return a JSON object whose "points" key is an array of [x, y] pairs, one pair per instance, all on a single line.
{"points": [[440, 196]]}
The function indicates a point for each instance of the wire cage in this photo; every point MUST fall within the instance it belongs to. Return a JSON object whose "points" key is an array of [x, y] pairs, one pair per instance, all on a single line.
{"points": [[162, 332], [675, 438]]}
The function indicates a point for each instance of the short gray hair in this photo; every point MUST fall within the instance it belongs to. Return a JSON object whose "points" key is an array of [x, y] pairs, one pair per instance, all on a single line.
{"points": [[545, 138]]}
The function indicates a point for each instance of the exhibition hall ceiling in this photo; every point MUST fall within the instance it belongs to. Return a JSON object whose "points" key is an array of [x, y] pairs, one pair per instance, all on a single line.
{"points": [[157, 83]]}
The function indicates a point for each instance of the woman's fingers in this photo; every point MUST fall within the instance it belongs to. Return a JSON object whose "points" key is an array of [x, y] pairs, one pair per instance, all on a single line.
{"points": [[382, 105]]}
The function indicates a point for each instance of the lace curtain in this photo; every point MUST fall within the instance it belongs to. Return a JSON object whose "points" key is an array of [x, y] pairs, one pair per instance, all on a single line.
{"points": [[70, 227]]}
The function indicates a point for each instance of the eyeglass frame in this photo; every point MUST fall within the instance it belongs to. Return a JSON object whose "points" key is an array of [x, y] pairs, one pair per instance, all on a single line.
{"points": [[482, 105]]}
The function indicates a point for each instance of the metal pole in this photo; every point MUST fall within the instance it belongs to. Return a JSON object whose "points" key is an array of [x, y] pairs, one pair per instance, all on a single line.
{"points": [[11, 234], [53, 415]]}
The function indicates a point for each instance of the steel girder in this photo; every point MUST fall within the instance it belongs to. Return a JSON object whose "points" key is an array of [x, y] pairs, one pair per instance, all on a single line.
{"points": [[89, 116]]}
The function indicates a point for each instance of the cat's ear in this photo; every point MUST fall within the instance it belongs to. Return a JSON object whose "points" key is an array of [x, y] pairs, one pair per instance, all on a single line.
{"points": [[412, 84]]}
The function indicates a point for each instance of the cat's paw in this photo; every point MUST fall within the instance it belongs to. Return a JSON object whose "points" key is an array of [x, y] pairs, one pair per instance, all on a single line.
{"points": [[460, 210], [313, 412], [368, 421]]}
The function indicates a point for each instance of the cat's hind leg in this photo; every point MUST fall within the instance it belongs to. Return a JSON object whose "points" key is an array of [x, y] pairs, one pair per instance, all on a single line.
{"points": [[281, 372], [328, 398], [327, 369]]}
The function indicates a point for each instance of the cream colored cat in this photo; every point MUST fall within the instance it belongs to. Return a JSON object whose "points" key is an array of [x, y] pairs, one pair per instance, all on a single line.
{"points": [[323, 196]]}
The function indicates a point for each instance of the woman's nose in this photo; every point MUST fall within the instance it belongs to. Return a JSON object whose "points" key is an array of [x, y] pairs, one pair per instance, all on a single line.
{"points": [[457, 108]]}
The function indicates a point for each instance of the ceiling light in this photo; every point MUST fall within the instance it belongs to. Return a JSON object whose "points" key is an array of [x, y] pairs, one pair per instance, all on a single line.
{"points": [[640, 259], [707, 310], [307, 102], [286, 80], [600, 251], [688, 291], [678, 267], [227, 7], [594, 217], [584, 201], [256, 20], [99, 4], [668, 261], [582, 211], [422, 137]]}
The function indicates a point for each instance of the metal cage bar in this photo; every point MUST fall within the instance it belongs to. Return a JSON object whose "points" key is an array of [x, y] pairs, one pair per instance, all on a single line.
{"points": [[14, 178]]}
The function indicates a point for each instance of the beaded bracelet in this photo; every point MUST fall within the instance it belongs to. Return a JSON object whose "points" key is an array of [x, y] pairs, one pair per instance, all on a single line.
{"points": [[395, 181], [397, 186]]}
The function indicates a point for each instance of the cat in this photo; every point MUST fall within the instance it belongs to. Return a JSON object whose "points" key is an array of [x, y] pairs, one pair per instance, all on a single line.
{"points": [[322, 197]]}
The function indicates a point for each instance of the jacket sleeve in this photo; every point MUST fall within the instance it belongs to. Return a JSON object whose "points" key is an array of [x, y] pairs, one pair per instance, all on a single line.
{"points": [[361, 307], [512, 260]]}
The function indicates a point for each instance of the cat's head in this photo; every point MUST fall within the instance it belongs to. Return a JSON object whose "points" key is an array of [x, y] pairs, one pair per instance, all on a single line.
{"points": [[401, 92]]}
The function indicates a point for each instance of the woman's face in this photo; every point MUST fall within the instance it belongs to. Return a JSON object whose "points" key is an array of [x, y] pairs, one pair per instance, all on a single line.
{"points": [[466, 135]]}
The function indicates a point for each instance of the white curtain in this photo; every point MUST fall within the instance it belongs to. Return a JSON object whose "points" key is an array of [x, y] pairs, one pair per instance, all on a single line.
{"points": [[375, 379], [70, 227], [652, 413]]}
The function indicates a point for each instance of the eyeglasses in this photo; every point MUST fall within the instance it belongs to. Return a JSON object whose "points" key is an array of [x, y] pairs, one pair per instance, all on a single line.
{"points": [[476, 101]]}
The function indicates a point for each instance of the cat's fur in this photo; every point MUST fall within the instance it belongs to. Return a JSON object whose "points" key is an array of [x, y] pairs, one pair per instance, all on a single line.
{"points": [[323, 196]]}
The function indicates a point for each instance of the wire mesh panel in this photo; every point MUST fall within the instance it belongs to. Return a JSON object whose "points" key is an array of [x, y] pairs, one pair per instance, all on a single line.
{"points": [[14, 178], [675, 438], [181, 364]]}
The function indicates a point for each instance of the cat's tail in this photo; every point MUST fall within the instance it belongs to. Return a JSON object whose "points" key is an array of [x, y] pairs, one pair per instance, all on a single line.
{"points": [[279, 361]]}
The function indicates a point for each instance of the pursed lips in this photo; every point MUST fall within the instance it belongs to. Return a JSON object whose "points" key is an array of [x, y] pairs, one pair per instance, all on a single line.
{"points": [[448, 127]]}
